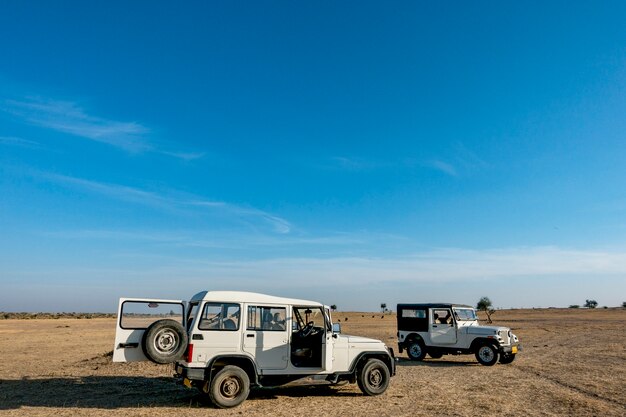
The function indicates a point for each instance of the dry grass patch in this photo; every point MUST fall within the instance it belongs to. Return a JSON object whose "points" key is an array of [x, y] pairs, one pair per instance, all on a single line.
{"points": [[573, 363]]}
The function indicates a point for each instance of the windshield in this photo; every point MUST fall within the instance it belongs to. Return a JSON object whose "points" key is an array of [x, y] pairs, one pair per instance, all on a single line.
{"points": [[465, 314]]}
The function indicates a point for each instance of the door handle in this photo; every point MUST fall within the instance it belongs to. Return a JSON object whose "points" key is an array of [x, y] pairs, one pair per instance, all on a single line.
{"points": [[128, 345], [249, 335]]}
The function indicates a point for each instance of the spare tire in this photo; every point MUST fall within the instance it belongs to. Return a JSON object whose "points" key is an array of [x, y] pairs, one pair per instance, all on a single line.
{"points": [[164, 341]]}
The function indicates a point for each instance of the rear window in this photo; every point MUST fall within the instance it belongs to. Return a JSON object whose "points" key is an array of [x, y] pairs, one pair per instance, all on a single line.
{"points": [[141, 314], [414, 314]]}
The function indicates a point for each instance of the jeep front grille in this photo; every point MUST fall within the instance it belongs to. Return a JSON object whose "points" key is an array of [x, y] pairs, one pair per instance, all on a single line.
{"points": [[504, 335]]}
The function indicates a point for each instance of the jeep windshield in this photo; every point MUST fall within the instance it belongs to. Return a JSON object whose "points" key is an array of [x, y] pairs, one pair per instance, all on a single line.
{"points": [[465, 314]]}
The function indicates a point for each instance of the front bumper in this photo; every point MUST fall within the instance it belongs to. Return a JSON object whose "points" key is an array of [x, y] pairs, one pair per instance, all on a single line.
{"points": [[511, 349]]}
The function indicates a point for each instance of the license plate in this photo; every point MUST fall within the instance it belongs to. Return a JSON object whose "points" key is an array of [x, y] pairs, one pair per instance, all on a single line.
{"points": [[514, 349], [187, 382]]}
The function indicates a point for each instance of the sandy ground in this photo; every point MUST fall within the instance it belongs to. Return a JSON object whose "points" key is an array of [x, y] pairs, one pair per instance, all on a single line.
{"points": [[573, 363]]}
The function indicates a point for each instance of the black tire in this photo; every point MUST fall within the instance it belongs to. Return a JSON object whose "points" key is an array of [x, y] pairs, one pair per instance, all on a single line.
{"points": [[416, 350], [507, 358], [229, 387], [435, 354], [164, 341], [487, 355], [373, 379]]}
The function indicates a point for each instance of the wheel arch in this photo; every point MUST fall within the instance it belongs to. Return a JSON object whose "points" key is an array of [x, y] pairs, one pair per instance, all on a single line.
{"points": [[414, 337], [480, 341], [363, 357], [242, 361]]}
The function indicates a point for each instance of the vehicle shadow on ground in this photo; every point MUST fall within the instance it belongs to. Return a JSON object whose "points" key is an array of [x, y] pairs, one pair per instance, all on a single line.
{"points": [[435, 363], [111, 392], [300, 391], [93, 392]]}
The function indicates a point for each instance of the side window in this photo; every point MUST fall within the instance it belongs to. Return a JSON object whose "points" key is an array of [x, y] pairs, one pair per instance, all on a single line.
{"points": [[220, 316], [141, 314], [267, 318], [442, 316]]}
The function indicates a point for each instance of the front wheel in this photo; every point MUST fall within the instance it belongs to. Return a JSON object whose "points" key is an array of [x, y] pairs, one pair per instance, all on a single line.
{"points": [[374, 377], [487, 355], [229, 387], [416, 350], [507, 358]]}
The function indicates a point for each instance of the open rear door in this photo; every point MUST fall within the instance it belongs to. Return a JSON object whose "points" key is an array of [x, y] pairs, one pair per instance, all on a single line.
{"points": [[134, 316]]}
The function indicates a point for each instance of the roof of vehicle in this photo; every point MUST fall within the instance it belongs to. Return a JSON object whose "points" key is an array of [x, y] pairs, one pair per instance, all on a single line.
{"points": [[249, 297], [432, 305]]}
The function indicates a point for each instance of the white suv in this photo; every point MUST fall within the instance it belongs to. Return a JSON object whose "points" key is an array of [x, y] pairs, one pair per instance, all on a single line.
{"points": [[440, 329], [225, 342]]}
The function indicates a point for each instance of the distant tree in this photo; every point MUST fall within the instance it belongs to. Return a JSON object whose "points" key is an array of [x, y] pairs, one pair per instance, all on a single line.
{"points": [[574, 306], [591, 303], [383, 307], [623, 304], [484, 304], [333, 307]]}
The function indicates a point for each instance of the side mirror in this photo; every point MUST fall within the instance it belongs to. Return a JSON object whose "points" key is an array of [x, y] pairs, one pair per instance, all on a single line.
{"points": [[336, 328]]}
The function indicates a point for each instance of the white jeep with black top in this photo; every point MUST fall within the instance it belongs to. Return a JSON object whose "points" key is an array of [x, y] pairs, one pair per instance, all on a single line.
{"points": [[225, 342], [452, 329]]}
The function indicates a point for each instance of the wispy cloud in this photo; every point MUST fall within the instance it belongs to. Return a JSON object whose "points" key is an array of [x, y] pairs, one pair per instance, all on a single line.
{"points": [[174, 201], [15, 141], [279, 225], [68, 117], [120, 192], [187, 156], [353, 163], [444, 167], [467, 158], [439, 265]]}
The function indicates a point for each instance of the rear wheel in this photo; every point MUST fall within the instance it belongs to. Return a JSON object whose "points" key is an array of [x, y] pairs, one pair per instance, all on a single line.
{"points": [[416, 350], [229, 387], [374, 377], [164, 341], [487, 355]]}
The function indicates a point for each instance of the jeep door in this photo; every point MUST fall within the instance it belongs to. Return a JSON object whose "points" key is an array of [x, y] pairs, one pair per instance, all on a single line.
{"points": [[216, 330], [442, 328], [266, 336], [134, 315]]}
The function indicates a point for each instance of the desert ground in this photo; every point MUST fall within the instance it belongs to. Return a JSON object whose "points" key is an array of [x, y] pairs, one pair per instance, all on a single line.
{"points": [[573, 363]]}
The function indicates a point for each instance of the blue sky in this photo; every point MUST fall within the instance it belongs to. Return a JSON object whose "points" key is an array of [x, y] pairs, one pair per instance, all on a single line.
{"points": [[348, 152]]}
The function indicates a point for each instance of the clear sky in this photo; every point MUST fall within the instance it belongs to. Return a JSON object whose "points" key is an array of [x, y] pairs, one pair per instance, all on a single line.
{"points": [[352, 153]]}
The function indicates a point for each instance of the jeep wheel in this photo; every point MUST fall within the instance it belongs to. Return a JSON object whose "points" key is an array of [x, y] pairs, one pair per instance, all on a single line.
{"points": [[374, 377], [416, 350], [164, 341], [435, 354], [229, 387], [507, 358], [487, 355]]}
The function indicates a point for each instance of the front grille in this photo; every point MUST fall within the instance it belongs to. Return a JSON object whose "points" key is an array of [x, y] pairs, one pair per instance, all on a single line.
{"points": [[504, 335]]}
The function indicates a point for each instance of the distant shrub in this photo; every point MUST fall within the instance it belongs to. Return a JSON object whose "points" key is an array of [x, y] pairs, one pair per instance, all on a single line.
{"points": [[624, 304], [574, 306]]}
